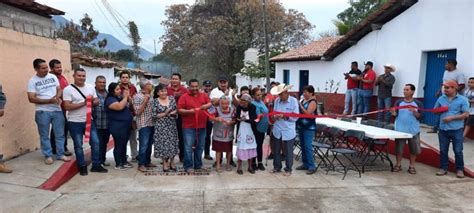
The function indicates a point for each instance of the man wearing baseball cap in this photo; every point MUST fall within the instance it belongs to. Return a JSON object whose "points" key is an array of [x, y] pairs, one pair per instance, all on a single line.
{"points": [[366, 91], [451, 127], [207, 87]]}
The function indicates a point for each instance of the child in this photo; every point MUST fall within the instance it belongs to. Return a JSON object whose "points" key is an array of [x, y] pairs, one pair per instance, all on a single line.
{"points": [[223, 132], [469, 93], [246, 143]]}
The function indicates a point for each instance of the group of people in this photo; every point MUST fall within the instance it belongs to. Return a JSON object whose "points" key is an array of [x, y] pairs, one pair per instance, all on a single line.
{"points": [[172, 120], [452, 125]]}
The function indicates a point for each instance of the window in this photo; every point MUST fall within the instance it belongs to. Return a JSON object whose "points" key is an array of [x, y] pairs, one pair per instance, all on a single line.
{"points": [[286, 76]]}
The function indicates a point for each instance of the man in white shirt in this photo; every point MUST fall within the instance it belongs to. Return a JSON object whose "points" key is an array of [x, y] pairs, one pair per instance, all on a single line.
{"points": [[74, 97], [44, 91]]}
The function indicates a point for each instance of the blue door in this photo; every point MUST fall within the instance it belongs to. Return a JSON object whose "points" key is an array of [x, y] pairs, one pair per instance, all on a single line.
{"points": [[286, 76], [304, 80], [434, 78]]}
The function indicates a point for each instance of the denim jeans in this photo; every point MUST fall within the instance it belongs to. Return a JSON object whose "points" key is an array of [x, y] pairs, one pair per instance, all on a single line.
{"points": [[145, 139], [44, 120], [306, 141], [456, 137], [120, 131], [364, 100], [191, 141], [351, 94], [52, 137], [104, 137], [77, 130], [276, 146], [384, 103]]}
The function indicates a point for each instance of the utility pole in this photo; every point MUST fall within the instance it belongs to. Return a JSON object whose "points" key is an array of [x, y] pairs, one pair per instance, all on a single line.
{"points": [[154, 44], [267, 62]]}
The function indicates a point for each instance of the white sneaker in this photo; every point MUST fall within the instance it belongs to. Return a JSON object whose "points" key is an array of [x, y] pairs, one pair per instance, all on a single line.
{"points": [[49, 161]]}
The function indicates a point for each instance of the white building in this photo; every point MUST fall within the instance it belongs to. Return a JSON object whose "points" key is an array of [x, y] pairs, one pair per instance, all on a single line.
{"points": [[417, 36]]}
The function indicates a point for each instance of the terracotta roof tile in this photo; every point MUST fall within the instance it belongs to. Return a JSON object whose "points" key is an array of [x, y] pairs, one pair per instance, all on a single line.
{"points": [[311, 51]]}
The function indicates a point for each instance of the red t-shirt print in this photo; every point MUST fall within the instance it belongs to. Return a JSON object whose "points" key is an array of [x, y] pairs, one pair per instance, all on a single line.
{"points": [[187, 101]]}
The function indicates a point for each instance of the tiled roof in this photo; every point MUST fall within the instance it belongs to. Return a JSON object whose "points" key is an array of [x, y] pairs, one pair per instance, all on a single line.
{"points": [[79, 58], [375, 21], [33, 7], [329, 48], [311, 51]]}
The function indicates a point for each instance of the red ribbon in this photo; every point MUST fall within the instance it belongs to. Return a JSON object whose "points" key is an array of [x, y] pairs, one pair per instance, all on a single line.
{"points": [[88, 119], [296, 115]]}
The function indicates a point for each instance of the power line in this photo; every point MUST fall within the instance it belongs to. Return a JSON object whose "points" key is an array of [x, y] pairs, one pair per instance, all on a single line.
{"points": [[97, 7]]}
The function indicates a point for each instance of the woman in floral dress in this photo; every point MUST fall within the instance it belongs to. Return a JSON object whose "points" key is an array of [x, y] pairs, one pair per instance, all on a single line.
{"points": [[166, 133]]}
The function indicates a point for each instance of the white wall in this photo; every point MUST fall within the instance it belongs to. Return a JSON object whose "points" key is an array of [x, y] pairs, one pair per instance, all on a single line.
{"points": [[428, 25], [243, 80], [93, 72]]}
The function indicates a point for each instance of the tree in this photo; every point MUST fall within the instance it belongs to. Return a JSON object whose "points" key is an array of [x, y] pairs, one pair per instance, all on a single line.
{"points": [[134, 37], [124, 55], [207, 40], [257, 70], [79, 36], [358, 11]]}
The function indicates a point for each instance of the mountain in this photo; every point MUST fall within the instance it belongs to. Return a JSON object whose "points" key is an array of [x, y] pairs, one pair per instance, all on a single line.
{"points": [[113, 44]]}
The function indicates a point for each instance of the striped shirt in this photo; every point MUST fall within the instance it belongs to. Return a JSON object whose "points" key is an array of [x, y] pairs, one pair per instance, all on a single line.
{"points": [[146, 118]]}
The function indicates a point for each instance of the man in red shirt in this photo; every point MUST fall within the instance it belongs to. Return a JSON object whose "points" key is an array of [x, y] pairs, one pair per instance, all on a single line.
{"points": [[191, 107], [126, 85], [176, 90], [57, 70], [352, 88], [367, 80]]}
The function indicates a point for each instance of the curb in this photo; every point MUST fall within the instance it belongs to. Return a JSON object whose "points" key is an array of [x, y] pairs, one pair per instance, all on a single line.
{"points": [[430, 156], [67, 171]]}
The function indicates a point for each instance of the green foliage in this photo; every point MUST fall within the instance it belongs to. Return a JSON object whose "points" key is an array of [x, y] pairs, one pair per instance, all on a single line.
{"points": [[257, 70], [134, 37], [210, 39], [79, 36], [358, 11], [124, 55]]}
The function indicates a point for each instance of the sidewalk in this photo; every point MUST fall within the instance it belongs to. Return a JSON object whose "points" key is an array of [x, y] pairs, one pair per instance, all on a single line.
{"points": [[468, 151]]}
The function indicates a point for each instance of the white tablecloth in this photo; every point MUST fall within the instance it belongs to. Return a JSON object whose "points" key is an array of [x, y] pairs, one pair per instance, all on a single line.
{"points": [[370, 131]]}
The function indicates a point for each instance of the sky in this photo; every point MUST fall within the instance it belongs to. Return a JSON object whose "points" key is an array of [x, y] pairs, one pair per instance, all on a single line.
{"points": [[148, 14]]}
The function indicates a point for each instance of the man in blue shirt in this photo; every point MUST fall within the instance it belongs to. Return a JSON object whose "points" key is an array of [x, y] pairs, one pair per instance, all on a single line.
{"points": [[408, 121], [284, 128], [451, 127]]}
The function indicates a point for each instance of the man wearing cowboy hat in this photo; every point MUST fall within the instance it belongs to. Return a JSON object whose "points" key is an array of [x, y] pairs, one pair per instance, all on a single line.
{"points": [[284, 128], [384, 94]]}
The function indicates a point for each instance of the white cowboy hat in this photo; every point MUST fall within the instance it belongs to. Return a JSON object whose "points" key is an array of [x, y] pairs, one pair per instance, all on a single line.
{"points": [[390, 66], [280, 88]]}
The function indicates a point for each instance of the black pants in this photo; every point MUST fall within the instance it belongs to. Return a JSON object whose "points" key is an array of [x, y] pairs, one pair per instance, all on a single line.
{"points": [[52, 139], [104, 136], [120, 131], [179, 126], [207, 145], [259, 137]]}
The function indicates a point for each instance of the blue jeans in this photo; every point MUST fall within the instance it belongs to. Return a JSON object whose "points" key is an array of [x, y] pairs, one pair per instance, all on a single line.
{"points": [[145, 138], [104, 137], [364, 100], [190, 140], [77, 131], [306, 141], [384, 103], [456, 137], [351, 94], [44, 120], [120, 131]]}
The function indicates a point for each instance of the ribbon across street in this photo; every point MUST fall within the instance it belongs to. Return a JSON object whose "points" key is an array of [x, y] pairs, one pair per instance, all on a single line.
{"points": [[296, 115], [88, 119]]}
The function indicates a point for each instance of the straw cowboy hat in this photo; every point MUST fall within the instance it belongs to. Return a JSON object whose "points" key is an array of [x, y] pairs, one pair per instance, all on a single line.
{"points": [[390, 66], [280, 88]]}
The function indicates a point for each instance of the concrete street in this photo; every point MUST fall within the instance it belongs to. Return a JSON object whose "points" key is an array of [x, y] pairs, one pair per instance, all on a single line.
{"points": [[127, 191]]}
